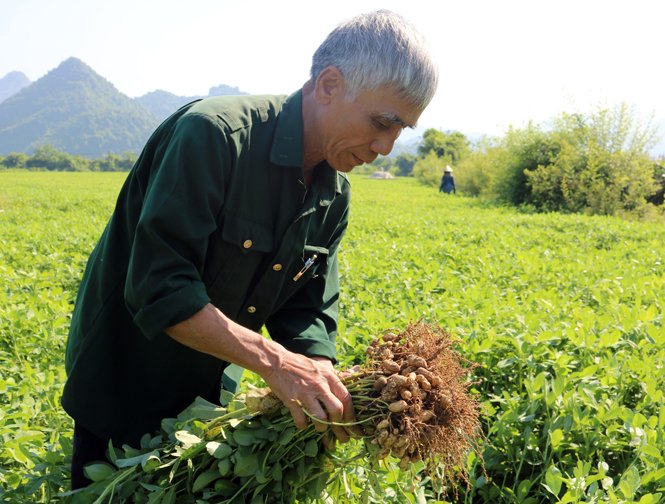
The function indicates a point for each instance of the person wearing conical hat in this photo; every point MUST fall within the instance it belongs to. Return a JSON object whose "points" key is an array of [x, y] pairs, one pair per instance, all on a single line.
{"points": [[447, 181]]}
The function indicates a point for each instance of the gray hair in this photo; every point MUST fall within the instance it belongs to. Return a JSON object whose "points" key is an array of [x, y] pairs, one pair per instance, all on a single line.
{"points": [[379, 49]]}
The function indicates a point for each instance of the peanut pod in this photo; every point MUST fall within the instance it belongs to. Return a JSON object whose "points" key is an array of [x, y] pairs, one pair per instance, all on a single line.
{"points": [[405, 394], [390, 366], [382, 424], [416, 361], [424, 372], [380, 383], [397, 406]]}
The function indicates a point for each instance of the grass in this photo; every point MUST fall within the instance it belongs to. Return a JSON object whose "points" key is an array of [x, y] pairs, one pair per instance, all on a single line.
{"points": [[563, 312]]}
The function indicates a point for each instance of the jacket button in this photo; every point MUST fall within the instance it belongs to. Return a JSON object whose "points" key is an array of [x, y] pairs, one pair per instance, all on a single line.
{"points": [[247, 244], [277, 267], [251, 309]]}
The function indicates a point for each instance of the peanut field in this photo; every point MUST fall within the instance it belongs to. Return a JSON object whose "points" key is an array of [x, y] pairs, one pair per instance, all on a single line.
{"points": [[564, 314]]}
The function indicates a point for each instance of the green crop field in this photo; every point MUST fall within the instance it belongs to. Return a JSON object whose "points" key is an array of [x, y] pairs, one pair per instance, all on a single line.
{"points": [[563, 312]]}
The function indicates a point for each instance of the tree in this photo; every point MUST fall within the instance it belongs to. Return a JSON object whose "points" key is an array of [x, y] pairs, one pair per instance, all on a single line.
{"points": [[429, 169], [114, 162], [450, 143], [49, 158], [15, 160], [404, 163], [658, 198]]}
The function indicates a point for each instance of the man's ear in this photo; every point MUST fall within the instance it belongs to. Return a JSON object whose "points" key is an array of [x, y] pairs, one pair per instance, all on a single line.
{"points": [[329, 85]]}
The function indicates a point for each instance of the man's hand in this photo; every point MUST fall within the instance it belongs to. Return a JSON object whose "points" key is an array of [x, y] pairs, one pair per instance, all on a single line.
{"points": [[300, 382], [314, 385]]}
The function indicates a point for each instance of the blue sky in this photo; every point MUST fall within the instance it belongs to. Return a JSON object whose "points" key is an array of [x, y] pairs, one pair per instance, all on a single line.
{"points": [[502, 62]]}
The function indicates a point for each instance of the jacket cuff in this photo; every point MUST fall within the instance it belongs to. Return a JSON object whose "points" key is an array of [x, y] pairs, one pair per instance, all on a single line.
{"points": [[172, 309], [311, 348]]}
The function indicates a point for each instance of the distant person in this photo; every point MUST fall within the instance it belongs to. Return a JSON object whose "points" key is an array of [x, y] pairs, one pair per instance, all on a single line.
{"points": [[448, 181]]}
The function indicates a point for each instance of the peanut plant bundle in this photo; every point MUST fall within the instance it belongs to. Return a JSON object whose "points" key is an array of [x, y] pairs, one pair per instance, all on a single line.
{"points": [[411, 397]]}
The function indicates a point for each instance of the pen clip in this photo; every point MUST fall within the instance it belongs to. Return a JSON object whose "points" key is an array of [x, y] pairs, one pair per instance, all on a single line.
{"points": [[307, 265]]}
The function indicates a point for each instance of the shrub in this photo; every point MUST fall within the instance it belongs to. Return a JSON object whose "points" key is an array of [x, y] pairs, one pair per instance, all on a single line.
{"points": [[659, 176], [404, 164], [429, 170], [49, 158], [114, 162], [477, 174], [15, 160], [599, 164]]}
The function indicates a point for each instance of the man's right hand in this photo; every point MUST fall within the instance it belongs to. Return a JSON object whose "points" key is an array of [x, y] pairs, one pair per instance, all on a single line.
{"points": [[314, 385], [300, 382]]}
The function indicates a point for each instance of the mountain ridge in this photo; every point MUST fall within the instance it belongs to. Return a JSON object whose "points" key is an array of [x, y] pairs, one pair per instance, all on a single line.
{"points": [[78, 111], [12, 83], [164, 103]]}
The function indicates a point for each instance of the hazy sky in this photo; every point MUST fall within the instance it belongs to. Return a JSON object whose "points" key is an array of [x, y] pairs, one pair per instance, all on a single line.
{"points": [[501, 62]]}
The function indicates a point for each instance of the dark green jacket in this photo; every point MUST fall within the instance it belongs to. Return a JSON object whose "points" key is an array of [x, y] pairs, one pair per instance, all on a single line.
{"points": [[215, 210]]}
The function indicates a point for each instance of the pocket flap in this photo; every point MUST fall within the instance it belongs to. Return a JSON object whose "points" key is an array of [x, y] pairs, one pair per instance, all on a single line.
{"points": [[319, 251], [248, 235]]}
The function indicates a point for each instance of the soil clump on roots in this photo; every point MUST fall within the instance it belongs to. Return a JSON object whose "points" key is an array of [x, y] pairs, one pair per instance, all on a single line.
{"points": [[417, 394]]}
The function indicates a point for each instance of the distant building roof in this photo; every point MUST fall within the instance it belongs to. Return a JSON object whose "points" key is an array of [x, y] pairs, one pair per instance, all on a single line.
{"points": [[381, 175]]}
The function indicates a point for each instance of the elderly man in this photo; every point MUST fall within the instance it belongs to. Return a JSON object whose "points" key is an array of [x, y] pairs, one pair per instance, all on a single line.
{"points": [[230, 221]]}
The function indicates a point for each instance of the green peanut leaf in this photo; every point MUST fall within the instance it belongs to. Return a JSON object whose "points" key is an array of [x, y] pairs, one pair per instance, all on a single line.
{"points": [[224, 466], [244, 437], [277, 472], [311, 448], [219, 450], [98, 472], [554, 480], [286, 436], [247, 465], [226, 488], [204, 479]]}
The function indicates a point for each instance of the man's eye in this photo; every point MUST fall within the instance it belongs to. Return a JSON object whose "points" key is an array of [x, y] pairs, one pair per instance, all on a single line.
{"points": [[380, 125]]}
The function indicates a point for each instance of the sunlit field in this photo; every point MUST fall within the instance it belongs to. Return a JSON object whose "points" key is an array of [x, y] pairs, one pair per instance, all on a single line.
{"points": [[563, 312]]}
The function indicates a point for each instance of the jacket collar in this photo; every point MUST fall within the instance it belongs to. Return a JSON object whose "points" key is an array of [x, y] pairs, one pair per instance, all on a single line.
{"points": [[287, 147], [287, 143]]}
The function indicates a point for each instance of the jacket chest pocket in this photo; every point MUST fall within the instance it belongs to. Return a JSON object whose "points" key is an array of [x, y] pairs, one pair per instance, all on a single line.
{"points": [[301, 272], [235, 252]]}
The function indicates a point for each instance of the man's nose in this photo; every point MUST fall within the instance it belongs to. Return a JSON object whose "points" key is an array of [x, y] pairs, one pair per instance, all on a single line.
{"points": [[383, 145]]}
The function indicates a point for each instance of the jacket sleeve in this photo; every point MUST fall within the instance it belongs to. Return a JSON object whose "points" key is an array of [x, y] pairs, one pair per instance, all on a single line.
{"points": [[307, 322], [183, 197]]}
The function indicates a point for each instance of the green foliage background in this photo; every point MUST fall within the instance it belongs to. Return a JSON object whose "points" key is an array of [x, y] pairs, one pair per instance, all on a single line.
{"points": [[48, 158], [564, 312], [595, 162]]}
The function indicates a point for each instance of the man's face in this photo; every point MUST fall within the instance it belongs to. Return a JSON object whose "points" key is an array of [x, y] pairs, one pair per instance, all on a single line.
{"points": [[357, 131]]}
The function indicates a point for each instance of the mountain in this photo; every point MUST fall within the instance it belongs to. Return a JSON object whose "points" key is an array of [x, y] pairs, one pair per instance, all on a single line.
{"points": [[163, 104], [75, 110], [223, 90], [12, 83], [407, 146]]}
